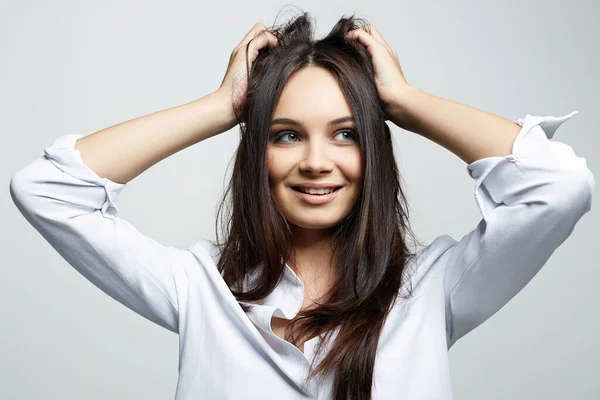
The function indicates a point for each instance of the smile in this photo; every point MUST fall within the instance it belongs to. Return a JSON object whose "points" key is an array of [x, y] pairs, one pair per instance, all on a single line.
{"points": [[316, 198]]}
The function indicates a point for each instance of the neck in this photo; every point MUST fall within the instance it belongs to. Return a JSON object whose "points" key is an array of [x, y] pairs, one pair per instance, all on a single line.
{"points": [[310, 239], [313, 251]]}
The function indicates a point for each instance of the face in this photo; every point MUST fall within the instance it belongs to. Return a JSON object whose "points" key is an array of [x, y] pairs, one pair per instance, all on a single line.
{"points": [[310, 149]]}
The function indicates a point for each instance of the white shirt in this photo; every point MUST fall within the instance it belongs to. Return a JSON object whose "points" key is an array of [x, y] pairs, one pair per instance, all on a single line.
{"points": [[530, 201]]}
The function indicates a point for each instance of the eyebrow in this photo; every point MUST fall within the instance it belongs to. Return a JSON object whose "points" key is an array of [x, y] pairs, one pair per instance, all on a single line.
{"points": [[289, 121]]}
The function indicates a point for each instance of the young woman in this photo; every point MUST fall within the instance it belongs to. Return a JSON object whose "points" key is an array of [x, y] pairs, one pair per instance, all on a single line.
{"points": [[313, 293]]}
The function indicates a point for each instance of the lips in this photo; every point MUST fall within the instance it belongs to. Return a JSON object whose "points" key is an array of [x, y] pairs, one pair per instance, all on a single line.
{"points": [[298, 189], [316, 199]]}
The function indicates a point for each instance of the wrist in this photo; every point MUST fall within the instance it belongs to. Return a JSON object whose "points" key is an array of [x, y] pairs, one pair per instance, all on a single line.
{"points": [[226, 112], [399, 107]]}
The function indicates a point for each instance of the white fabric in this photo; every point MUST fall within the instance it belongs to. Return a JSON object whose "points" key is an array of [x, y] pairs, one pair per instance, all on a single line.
{"points": [[530, 202]]}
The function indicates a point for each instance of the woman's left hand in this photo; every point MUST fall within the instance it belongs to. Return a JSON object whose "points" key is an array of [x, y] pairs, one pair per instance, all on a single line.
{"points": [[391, 84]]}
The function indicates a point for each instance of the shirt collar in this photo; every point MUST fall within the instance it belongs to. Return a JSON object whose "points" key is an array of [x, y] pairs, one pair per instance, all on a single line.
{"points": [[285, 301]]}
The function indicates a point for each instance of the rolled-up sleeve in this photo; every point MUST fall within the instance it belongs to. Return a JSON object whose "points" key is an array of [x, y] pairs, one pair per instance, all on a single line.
{"points": [[530, 202], [76, 212]]}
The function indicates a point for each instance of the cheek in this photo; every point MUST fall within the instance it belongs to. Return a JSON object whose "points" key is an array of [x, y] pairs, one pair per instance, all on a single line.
{"points": [[278, 168], [353, 166], [357, 170]]}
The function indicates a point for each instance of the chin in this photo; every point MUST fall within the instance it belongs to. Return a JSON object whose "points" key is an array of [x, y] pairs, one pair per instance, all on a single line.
{"points": [[313, 226], [314, 223]]}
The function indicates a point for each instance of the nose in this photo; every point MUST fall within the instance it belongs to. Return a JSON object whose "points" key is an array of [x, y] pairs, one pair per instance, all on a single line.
{"points": [[316, 159]]}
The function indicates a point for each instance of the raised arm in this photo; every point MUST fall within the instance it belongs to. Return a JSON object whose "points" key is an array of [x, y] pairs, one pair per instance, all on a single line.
{"points": [[122, 152], [69, 196], [531, 192], [468, 132]]}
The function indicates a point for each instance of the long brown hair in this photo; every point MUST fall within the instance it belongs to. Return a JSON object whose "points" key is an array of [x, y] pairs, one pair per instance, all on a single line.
{"points": [[368, 245]]}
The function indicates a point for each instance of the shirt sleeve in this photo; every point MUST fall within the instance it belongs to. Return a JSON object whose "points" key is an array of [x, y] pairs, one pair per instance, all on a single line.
{"points": [[76, 212], [530, 202]]}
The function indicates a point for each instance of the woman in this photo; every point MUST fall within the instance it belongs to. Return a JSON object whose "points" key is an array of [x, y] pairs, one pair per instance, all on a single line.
{"points": [[319, 285]]}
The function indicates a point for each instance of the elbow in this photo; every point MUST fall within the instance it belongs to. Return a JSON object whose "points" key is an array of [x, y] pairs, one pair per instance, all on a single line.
{"points": [[576, 191], [24, 189], [18, 187]]}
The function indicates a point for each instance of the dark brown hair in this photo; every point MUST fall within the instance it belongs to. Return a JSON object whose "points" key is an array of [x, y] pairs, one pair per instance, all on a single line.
{"points": [[370, 253]]}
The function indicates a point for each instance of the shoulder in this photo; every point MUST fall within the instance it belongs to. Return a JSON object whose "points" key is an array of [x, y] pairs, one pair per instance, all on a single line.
{"points": [[430, 261], [206, 250], [207, 254]]}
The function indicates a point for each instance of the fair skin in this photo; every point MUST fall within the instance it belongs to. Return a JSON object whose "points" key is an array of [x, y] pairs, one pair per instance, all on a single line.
{"points": [[124, 151], [313, 152], [471, 134], [314, 94]]}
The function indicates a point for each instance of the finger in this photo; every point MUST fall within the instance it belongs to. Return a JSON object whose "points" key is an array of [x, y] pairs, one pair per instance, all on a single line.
{"points": [[366, 39], [263, 39], [379, 37], [252, 33]]}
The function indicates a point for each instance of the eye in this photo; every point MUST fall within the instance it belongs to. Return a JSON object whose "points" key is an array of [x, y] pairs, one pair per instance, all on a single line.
{"points": [[293, 136], [277, 137], [349, 134]]}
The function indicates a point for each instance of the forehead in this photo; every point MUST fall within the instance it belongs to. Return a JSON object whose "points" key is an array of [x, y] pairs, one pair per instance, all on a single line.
{"points": [[312, 96]]}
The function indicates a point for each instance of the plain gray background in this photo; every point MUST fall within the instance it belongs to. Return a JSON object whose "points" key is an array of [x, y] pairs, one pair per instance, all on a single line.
{"points": [[78, 67]]}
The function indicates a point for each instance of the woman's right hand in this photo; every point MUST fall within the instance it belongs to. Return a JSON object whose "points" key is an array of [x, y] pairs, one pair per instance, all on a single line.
{"points": [[234, 84]]}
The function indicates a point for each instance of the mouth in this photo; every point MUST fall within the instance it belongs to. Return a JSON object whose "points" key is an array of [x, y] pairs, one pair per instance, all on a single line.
{"points": [[316, 198], [298, 189]]}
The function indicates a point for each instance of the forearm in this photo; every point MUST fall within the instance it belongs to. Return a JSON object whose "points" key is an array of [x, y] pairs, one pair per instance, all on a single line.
{"points": [[468, 132], [123, 151]]}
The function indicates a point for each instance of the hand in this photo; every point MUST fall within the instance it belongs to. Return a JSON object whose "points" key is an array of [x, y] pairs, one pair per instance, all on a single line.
{"points": [[389, 79], [235, 82]]}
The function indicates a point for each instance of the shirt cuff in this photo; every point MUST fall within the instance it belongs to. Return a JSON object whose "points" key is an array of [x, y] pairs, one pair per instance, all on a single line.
{"points": [[62, 154], [533, 155]]}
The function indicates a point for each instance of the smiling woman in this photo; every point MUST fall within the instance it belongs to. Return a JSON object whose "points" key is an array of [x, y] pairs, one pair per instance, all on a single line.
{"points": [[315, 192], [314, 277], [320, 162]]}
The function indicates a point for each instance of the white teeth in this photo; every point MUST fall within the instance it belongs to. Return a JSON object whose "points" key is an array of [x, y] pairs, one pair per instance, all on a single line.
{"points": [[317, 191]]}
